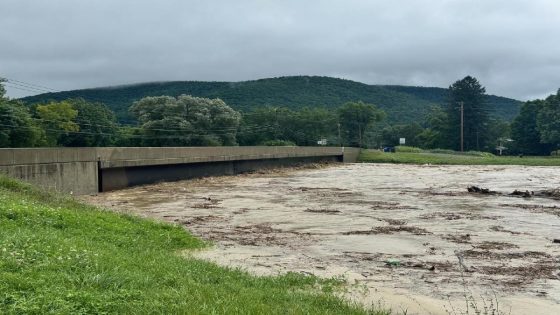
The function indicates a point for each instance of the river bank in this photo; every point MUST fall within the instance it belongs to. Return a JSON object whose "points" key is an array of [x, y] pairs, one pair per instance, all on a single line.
{"points": [[409, 236]]}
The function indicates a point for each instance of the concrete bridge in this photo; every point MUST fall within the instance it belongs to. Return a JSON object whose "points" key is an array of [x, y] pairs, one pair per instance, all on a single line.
{"points": [[91, 170]]}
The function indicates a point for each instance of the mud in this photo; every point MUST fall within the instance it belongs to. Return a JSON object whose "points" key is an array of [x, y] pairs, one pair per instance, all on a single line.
{"points": [[409, 236], [322, 211], [390, 230], [549, 193]]}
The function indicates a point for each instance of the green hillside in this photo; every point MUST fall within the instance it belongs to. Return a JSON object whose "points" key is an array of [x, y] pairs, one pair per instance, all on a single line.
{"points": [[505, 108], [402, 103]]}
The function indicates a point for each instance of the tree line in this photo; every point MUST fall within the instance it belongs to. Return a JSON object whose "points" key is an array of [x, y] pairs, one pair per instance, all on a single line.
{"points": [[178, 121], [403, 104], [195, 121], [534, 131]]}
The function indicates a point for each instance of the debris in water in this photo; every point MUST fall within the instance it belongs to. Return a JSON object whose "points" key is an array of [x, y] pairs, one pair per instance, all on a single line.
{"points": [[524, 194], [550, 193], [327, 211], [493, 245], [498, 228], [458, 238], [461, 262], [390, 230], [478, 190], [393, 221]]}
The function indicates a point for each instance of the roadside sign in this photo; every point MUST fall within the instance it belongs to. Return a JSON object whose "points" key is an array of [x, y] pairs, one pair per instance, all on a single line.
{"points": [[402, 141]]}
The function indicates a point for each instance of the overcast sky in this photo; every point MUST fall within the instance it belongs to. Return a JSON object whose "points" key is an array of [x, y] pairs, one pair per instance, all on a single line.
{"points": [[511, 46]]}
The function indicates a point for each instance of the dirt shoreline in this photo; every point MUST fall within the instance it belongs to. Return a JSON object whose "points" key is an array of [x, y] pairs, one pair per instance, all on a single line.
{"points": [[409, 236]]}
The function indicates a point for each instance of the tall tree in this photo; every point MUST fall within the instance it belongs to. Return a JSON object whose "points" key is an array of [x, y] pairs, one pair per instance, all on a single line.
{"points": [[471, 94], [264, 124], [17, 128], [281, 125], [499, 135], [525, 132], [128, 136], [313, 124], [410, 132], [2, 89], [96, 122], [548, 121], [355, 118], [186, 120], [58, 120], [436, 127]]}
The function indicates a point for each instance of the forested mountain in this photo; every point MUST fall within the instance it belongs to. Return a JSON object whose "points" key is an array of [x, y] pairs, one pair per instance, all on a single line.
{"points": [[402, 103], [503, 107]]}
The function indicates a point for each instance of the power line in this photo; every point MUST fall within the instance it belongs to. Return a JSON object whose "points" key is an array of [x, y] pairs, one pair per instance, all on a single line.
{"points": [[187, 136], [300, 134], [35, 88], [28, 86], [31, 84], [19, 88], [116, 126]]}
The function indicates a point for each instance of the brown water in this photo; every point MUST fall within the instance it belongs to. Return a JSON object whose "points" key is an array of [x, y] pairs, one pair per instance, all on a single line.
{"points": [[395, 232]]}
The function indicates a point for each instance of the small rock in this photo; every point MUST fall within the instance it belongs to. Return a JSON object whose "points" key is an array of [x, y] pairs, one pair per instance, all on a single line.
{"points": [[556, 241]]}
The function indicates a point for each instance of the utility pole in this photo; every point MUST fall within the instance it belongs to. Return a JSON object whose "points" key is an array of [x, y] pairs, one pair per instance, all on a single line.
{"points": [[462, 124]]}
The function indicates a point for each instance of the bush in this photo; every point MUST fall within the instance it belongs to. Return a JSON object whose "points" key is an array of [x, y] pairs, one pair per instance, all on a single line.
{"points": [[470, 153], [478, 153], [442, 151], [403, 148]]}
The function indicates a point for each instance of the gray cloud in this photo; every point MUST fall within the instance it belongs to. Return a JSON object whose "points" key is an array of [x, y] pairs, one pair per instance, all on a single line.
{"points": [[510, 46]]}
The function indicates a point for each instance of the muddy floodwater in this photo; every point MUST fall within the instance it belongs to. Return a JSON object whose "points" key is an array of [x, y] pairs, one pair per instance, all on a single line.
{"points": [[405, 236]]}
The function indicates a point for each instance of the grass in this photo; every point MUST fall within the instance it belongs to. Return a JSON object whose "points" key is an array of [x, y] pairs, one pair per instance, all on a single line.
{"points": [[374, 156], [59, 256]]}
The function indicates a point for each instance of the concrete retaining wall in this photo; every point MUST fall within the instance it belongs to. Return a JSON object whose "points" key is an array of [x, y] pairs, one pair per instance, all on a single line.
{"points": [[129, 157], [62, 169], [89, 170], [350, 155]]}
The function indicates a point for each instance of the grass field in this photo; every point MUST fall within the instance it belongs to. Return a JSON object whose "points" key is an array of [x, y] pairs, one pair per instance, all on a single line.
{"points": [[58, 256], [375, 156]]}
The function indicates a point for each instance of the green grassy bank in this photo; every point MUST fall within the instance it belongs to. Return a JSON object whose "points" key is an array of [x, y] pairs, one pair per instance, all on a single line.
{"points": [[58, 256], [375, 156]]}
